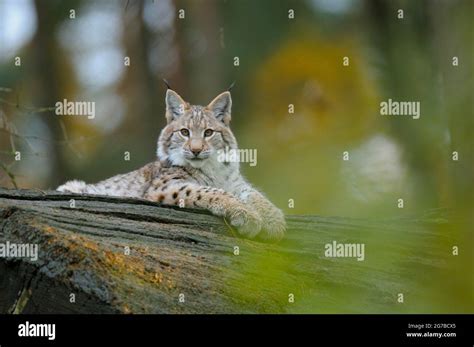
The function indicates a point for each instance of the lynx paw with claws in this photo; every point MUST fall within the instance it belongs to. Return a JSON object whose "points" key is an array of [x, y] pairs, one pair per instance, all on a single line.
{"points": [[246, 221]]}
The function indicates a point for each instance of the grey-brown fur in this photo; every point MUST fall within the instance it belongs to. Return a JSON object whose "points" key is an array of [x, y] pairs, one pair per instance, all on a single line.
{"points": [[187, 172]]}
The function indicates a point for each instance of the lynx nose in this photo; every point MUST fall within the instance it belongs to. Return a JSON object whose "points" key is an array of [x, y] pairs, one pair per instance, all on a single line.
{"points": [[196, 151], [195, 146]]}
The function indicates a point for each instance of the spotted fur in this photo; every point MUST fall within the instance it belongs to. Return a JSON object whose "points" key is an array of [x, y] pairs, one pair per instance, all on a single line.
{"points": [[188, 174]]}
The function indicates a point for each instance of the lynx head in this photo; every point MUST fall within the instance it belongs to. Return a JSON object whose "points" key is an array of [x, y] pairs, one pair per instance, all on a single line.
{"points": [[194, 134]]}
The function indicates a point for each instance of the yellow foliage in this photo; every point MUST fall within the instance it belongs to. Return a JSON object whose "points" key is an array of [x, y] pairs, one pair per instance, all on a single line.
{"points": [[332, 101], [335, 107]]}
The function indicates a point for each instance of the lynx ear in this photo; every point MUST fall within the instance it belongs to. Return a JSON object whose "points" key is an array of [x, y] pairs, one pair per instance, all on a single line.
{"points": [[175, 105], [221, 107]]}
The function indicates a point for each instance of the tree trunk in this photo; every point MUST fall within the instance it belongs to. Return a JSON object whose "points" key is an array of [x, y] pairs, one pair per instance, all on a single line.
{"points": [[116, 255]]}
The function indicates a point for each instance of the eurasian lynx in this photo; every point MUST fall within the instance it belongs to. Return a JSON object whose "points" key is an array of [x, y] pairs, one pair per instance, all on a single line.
{"points": [[188, 173]]}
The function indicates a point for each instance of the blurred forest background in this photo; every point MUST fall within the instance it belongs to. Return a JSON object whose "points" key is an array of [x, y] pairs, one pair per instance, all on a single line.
{"points": [[282, 61]]}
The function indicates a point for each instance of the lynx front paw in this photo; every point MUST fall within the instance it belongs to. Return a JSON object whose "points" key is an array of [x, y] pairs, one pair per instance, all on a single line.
{"points": [[246, 221], [73, 187], [274, 226]]}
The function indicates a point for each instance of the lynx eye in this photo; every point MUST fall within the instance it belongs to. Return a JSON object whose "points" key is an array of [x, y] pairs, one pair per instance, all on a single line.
{"points": [[184, 132], [208, 132]]}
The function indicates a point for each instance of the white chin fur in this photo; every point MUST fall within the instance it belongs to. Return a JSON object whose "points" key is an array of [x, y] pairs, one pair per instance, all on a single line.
{"points": [[180, 160], [196, 163]]}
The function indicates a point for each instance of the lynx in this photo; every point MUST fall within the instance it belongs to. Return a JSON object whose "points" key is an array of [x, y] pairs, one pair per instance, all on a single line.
{"points": [[187, 172]]}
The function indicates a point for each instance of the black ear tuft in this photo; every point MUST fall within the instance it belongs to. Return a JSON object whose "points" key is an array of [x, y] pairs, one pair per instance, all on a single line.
{"points": [[231, 86], [167, 84]]}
